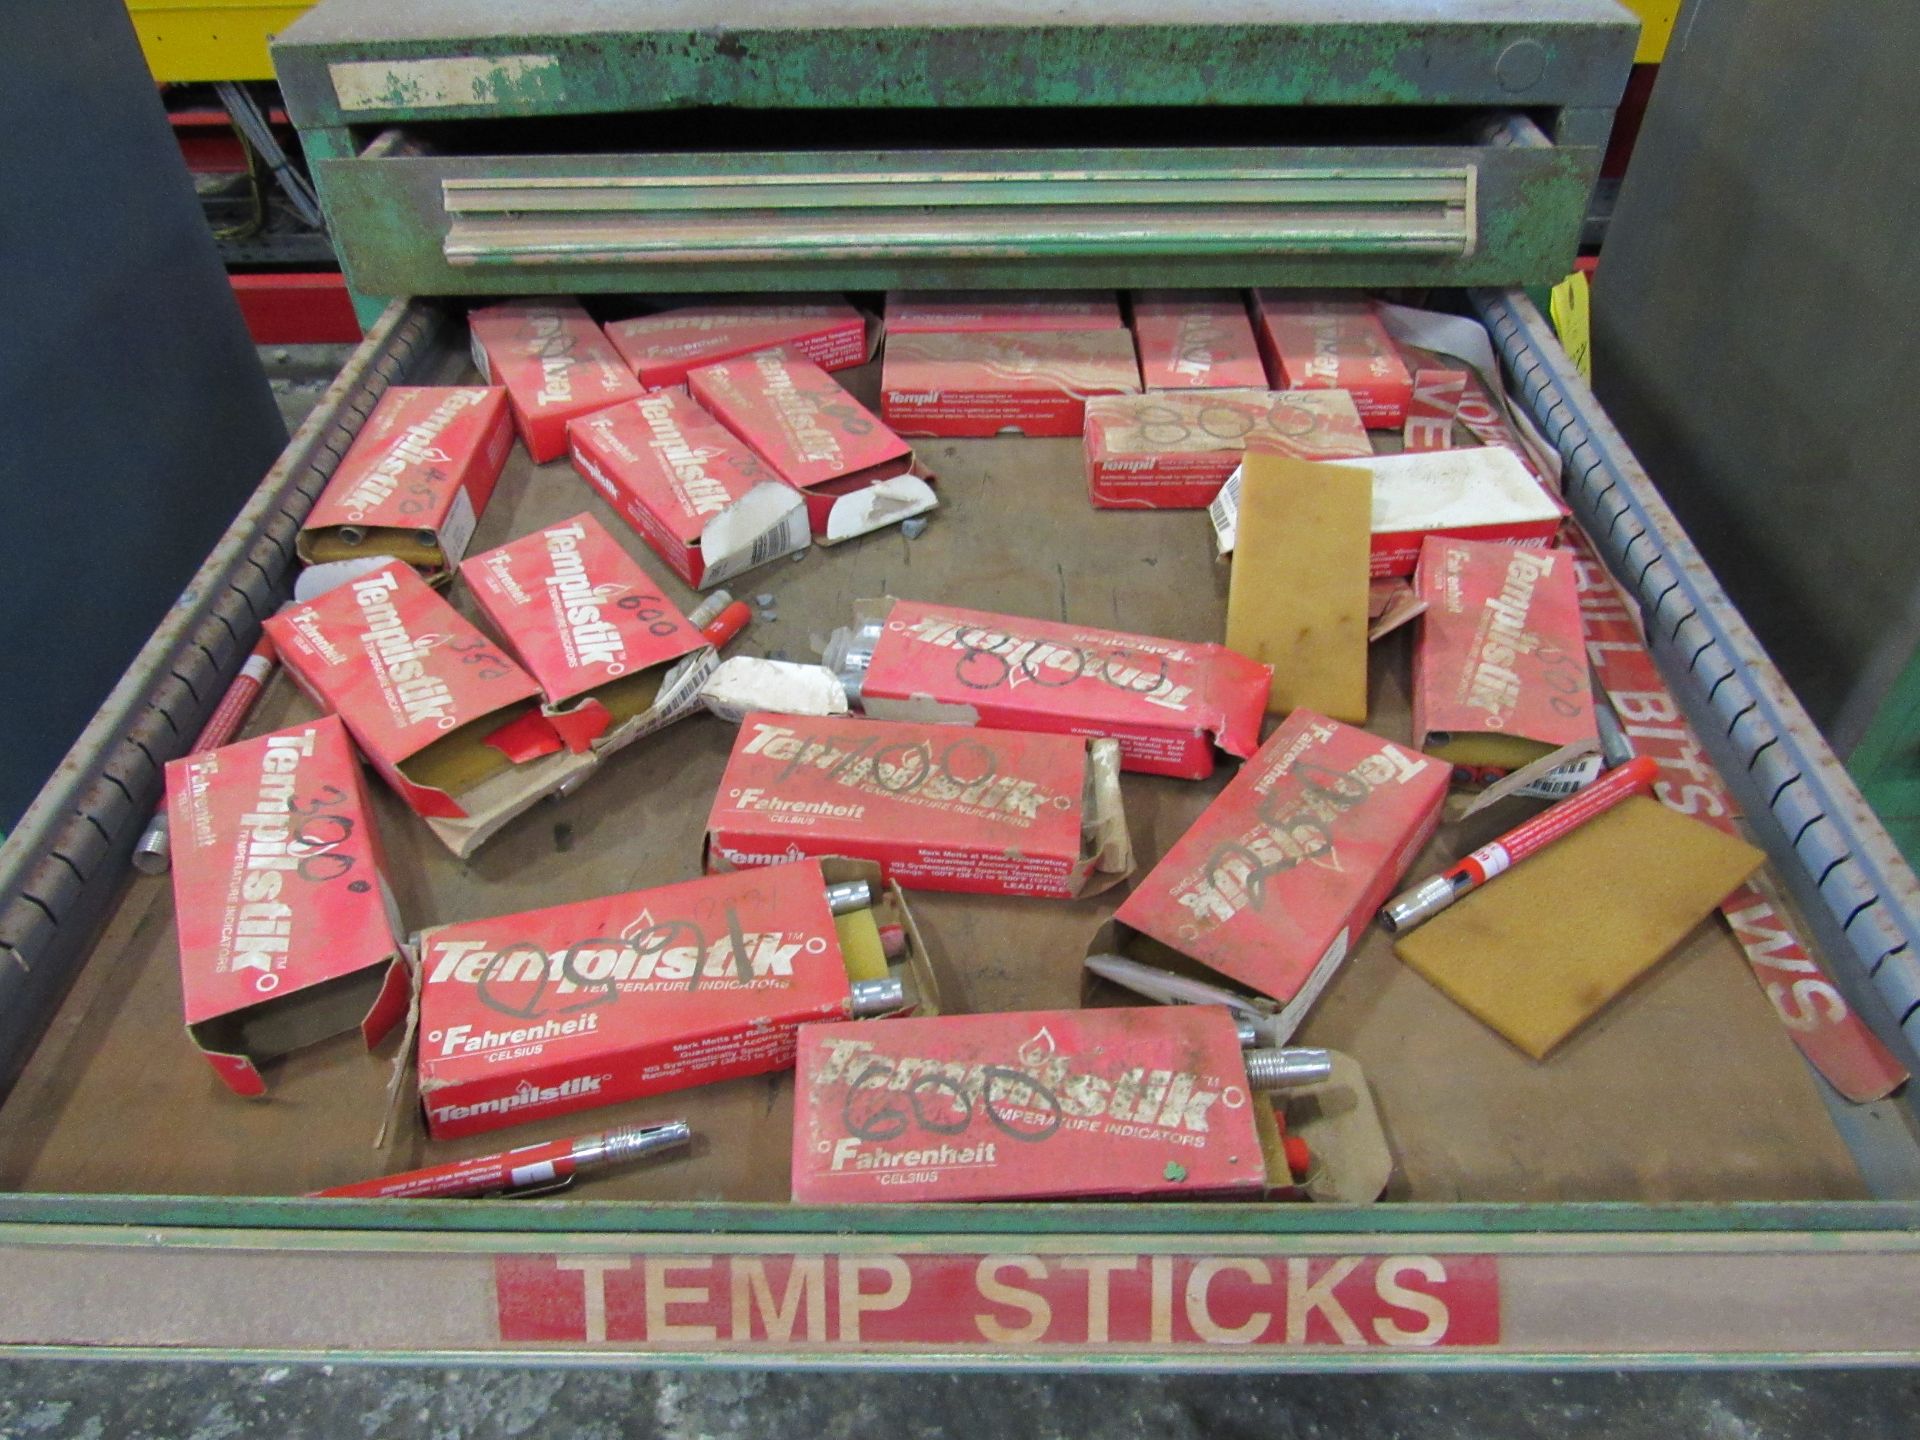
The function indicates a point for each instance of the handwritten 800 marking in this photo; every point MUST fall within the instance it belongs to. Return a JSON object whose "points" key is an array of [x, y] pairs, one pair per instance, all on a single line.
{"points": [[990, 659]]}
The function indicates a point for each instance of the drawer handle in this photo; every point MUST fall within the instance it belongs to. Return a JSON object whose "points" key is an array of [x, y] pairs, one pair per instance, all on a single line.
{"points": [[951, 213]]}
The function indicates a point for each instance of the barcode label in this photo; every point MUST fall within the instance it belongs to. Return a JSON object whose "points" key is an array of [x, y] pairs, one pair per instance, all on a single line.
{"points": [[789, 535], [1224, 512], [1567, 780]]}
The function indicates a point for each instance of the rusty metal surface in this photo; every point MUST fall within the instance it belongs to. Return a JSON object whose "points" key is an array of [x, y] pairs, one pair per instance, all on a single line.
{"points": [[1506, 211], [455, 59]]}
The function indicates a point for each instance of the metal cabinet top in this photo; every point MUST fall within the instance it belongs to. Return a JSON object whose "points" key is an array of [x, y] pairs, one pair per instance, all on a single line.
{"points": [[373, 61]]}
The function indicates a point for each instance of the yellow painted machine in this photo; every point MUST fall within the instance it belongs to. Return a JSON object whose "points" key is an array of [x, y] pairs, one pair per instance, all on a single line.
{"points": [[189, 40]]}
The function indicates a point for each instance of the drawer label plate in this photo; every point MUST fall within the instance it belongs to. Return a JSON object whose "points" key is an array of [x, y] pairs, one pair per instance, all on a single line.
{"points": [[1000, 1301], [439, 83]]}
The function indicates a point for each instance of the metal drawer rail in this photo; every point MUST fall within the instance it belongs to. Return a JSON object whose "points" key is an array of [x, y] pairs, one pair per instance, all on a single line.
{"points": [[961, 210], [1847, 864]]}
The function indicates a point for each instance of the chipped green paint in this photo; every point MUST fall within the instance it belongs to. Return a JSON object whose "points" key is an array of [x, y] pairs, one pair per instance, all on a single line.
{"points": [[803, 67], [444, 83], [391, 224], [359, 61]]}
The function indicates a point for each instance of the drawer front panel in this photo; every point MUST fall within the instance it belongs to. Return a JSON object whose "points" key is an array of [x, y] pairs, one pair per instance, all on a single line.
{"points": [[1507, 212]]}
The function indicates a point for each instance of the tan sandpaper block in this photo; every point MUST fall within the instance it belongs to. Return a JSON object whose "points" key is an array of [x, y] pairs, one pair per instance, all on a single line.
{"points": [[1540, 950], [1297, 599]]}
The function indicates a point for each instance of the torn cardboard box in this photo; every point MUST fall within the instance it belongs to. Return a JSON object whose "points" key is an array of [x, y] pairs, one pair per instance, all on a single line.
{"points": [[1328, 342], [615, 659], [288, 930], [536, 1015], [1479, 493], [662, 347], [1473, 407], [1035, 1105], [415, 480], [555, 363], [1167, 702], [937, 807], [435, 706], [978, 384], [855, 474], [1175, 451], [938, 312], [708, 505], [1196, 340], [1274, 882], [1500, 670], [1432, 410], [746, 683]]}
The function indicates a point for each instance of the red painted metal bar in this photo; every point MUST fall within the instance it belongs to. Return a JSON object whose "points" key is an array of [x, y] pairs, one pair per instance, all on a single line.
{"points": [[302, 308]]}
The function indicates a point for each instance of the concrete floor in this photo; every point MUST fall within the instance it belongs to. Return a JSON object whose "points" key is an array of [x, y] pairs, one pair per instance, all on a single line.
{"points": [[44, 1400]]}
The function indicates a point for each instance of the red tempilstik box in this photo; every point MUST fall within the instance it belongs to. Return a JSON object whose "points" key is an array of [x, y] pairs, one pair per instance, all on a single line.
{"points": [[1033, 1105], [1196, 340], [910, 313], [530, 1016], [435, 706], [1500, 671], [1480, 492], [288, 931], [415, 480], [1174, 450], [663, 347], [594, 630], [555, 364], [708, 505], [978, 384], [1274, 882], [937, 807], [856, 475], [1318, 342], [1167, 702]]}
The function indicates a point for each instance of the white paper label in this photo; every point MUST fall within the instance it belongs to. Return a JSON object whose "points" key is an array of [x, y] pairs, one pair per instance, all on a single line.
{"points": [[438, 83], [729, 553], [1567, 780], [1492, 859], [1224, 512], [456, 531]]}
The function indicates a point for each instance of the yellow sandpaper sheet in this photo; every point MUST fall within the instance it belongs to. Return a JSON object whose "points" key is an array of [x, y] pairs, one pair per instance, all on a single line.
{"points": [[1540, 950], [1298, 597], [321, 546], [1508, 752], [861, 950]]}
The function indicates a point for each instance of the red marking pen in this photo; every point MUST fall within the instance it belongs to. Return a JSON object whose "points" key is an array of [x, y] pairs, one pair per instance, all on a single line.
{"points": [[1430, 897], [720, 617], [151, 855], [530, 1169]]}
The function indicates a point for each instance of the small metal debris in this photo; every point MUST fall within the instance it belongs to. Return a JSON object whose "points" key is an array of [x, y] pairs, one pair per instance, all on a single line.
{"points": [[913, 529]]}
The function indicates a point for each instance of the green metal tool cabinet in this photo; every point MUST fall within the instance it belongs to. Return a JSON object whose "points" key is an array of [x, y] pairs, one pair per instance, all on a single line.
{"points": [[1675, 1187]]}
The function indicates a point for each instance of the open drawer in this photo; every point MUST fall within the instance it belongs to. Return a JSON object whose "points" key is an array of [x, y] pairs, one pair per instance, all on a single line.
{"points": [[1674, 1183], [682, 146]]}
